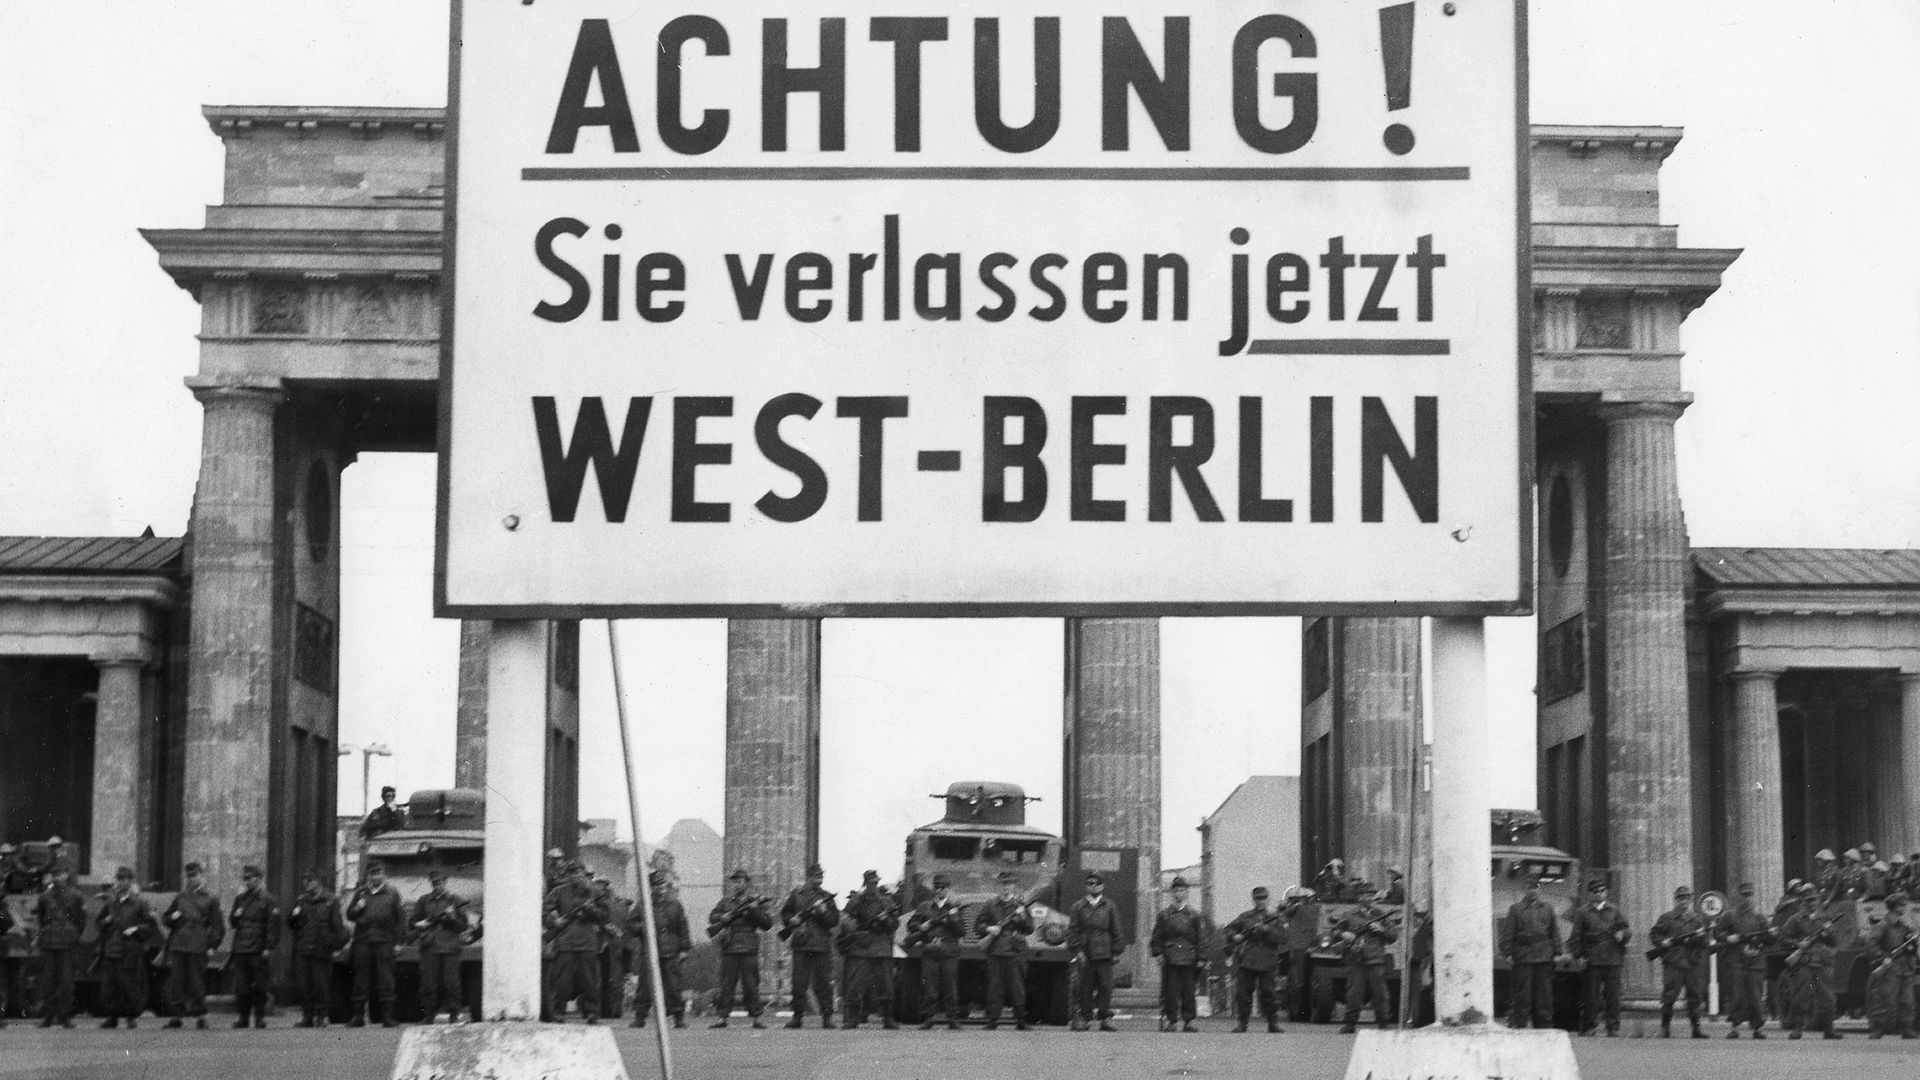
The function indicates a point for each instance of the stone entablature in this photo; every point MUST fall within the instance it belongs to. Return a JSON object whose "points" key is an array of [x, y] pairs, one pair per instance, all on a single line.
{"points": [[106, 619]]}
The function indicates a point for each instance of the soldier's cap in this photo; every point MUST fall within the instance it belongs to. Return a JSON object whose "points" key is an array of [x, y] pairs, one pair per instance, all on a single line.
{"points": [[739, 875], [1793, 885], [54, 841], [1683, 890], [1597, 885], [124, 873], [1853, 853], [1178, 883], [1096, 877], [1394, 871], [7, 849], [436, 874], [941, 881], [816, 870], [657, 878], [1824, 855], [1746, 888], [871, 875], [251, 870], [386, 791], [375, 866], [1009, 876], [1260, 892], [1805, 890], [194, 868]]}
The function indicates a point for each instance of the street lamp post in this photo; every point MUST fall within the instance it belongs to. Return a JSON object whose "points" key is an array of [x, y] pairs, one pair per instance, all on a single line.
{"points": [[367, 754]]}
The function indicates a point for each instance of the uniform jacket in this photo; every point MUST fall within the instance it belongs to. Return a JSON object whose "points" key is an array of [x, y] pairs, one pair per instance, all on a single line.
{"points": [[1256, 938], [255, 918], [574, 916], [1743, 936], [1369, 944], [317, 926], [446, 921], [1884, 940], [126, 925], [1014, 922], [1094, 929], [1672, 925], [1600, 936], [1179, 936], [381, 819], [194, 923], [377, 916], [735, 925], [870, 922], [1530, 934], [808, 918], [61, 911], [670, 919], [940, 927]]}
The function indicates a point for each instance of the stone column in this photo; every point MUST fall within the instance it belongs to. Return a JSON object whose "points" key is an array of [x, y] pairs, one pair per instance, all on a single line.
{"points": [[773, 767], [1649, 769], [230, 727], [1113, 768], [470, 707], [1380, 682], [120, 734], [1909, 743], [1754, 809]]}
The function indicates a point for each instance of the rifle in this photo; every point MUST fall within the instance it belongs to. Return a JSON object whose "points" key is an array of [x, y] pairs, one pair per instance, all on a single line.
{"points": [[993, 931], [716, 927], [1799, 954], [1911, 945], [1241, 935], [793, 922], [1660, 950], [921, 934], [567, 919]]}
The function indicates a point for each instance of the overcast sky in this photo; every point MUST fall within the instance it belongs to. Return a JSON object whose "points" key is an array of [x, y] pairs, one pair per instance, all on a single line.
{"points": [[1799, 148]]}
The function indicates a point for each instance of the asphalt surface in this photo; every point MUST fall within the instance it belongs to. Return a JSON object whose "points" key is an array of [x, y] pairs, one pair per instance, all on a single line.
{"points": [[1308, 1052]]}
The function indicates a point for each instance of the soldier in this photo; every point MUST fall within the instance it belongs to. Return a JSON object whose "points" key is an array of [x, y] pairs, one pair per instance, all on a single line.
{"points": [[1806, 972], [1332, 883], [1094, 940], [60, 912], [1530, 940], [1003, 926], [58, 859], [14, 876], [871, 919], [194, 928], [676, 940], [1179, 939], [1599, 936], [1255, 937], [1898, 875], [126, 927], [734, 924], [936, 927], [1826, 875], [807, 921], [379, 919], [1891, 952], [1366, 931], [318, 930], [612, 956], [440, 927], [6, 927], [1679, 936], [574, 915], [383, 818], [1396, 887], [1744, 935], [255, 920]]}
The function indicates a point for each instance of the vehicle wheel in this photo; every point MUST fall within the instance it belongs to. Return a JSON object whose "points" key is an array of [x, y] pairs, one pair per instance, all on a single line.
{"points": [[1324, 994]]}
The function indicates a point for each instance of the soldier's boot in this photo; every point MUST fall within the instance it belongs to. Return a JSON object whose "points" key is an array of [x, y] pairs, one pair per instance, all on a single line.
{"points": [[1758, 1034], [1107, 1025], [200, 1022], [1273, 1026], [993, 1023], [359, 1018], [720, 1023], [242, 1022], [1021, 1025], [826, 1021], [886, 1023], [1078, 1024], [1830, 1034], [1735, 1033], [110, 1022], [798, 1018], [927, 1024], [172, 1022], [1666, 1022], [1240, 1026], [1697, 1033]]}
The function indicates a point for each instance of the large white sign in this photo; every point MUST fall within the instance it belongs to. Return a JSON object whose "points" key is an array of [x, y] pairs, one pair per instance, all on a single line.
{"points": [[1177, 306]]}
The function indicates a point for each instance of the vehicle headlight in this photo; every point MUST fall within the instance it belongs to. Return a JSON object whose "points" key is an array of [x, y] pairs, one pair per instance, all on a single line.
{"points": [[1039, 911]]}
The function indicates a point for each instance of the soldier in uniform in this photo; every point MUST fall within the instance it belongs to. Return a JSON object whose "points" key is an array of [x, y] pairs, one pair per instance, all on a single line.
{"points": [[870, 922], [1003, 926], [1255, 937], [1827, 878], [1891, 953], [126, 926], [1095, 940], [676, 940], [1680, 935], [1179, 939], [1396, 887], [6, 927], [1366, 931], [1332, 883], [318, 930], [379, 919], [383, 818], [574, 915], [610, 961], [60, 912], [734, 924], [937, 926], [1530, 940], [1599, 937], [1804, 978], [194, 927], [807, 921], [15, 877], [255, 920], [1744, 935], [58, 859], [440, 927]]}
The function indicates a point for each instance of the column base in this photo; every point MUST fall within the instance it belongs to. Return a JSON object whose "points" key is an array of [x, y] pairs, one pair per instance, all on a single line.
{"points": [[509, 1050], [1462, 1053]]}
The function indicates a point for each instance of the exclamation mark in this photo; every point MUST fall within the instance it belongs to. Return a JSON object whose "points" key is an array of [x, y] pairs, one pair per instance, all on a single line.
{"points": [[1396, 55]]}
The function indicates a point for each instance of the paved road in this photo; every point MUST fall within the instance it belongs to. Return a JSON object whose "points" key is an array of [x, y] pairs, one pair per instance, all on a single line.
{"points": [[1304, 1052]]}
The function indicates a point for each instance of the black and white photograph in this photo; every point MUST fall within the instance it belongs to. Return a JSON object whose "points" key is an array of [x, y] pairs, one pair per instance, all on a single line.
{"points": [[582, 539]]}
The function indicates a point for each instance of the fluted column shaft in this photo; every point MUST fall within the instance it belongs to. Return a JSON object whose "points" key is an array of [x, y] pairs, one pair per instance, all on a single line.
{"points": [[470, 706], [1380, 682], [1113, 777], [1909, 765], [229, 723], [120, 737], [1649, 761], [1754, 807], [773, 765]]}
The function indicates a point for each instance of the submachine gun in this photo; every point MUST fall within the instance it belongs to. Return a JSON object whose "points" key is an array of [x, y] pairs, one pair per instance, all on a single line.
{"points": [[716, 927], [923, 933], [1909, 947], [1378, 920], [819, 904], [1799, 954]]}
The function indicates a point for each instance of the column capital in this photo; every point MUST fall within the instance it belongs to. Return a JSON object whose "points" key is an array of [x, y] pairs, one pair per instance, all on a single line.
{"points": [[1617, 411], [113, 660], [260, 392], [1754, 674]]}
